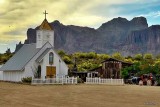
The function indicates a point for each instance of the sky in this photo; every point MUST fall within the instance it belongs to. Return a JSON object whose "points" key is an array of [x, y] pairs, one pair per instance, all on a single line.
{"points": [[16, 16]]}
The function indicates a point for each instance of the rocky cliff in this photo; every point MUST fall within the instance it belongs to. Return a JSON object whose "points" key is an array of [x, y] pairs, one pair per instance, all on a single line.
{"points": [[119, 34], [145, 40]]}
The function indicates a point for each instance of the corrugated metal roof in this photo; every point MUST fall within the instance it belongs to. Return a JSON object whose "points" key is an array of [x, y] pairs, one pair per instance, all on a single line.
{"points": [[113, 59], [21, 58]]}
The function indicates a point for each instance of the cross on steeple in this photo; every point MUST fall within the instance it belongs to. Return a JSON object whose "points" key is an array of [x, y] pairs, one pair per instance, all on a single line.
{"points": [[45, 13]]}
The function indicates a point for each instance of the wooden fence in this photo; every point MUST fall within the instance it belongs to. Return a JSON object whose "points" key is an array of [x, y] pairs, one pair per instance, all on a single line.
{"points": [[57, 80], [104, 81]]}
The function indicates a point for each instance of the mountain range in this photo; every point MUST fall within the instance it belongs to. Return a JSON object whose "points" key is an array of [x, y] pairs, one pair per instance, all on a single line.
{"points": [[117, 35]]}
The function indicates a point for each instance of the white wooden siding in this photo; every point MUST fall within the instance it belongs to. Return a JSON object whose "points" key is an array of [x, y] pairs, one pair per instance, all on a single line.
{"points": [[15, 76]]}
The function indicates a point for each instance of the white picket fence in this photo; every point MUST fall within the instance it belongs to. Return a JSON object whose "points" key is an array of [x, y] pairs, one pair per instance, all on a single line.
{"points": [[57, 80], [104, 81]]}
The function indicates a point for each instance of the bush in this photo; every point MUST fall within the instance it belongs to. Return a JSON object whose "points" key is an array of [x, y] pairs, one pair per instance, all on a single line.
{"points": [[67, 60], [158, 80], [79, 80], [27, 80]]}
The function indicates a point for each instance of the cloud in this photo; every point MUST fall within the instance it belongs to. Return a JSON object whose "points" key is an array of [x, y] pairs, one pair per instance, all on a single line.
{"points": [[16, 16], [152, 14], [3, 44]]}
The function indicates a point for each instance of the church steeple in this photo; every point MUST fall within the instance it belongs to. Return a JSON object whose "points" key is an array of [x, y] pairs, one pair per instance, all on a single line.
{"points": [[45, 25], [45, 33]]}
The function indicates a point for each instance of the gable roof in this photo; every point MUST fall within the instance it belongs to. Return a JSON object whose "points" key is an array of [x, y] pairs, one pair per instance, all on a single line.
{"points": [[24, 55], [45, 25], [21, 58], [45, 52], [42, 55]]}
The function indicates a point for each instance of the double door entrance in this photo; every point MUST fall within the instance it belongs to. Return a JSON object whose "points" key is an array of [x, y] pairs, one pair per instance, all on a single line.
{"points": [[50, 71]]}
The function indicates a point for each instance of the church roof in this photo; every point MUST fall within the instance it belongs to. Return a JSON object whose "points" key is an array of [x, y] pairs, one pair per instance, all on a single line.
{"points": [[42, 55], [45, 25], [21, 58]]}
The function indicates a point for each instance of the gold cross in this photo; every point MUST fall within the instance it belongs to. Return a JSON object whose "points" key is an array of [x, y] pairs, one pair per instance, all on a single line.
{"points": [[45, 13]]}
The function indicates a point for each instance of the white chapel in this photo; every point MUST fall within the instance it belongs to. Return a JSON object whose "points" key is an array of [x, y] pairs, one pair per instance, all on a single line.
{"points": [[38, 60]]}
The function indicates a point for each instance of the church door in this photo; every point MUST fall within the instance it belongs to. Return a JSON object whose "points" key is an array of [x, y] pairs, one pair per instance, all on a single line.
{"points": [[50, 71]]}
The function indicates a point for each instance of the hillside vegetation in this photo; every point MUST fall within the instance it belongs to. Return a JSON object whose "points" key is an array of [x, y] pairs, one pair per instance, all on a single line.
{"points": [[142, 63]]}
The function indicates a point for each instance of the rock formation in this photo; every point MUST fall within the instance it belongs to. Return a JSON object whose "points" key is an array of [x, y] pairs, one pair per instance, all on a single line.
{"points": [[117, 35]]}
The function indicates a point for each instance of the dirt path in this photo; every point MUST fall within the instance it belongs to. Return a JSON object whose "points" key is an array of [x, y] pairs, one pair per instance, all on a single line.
{"points": [[18, 95]]}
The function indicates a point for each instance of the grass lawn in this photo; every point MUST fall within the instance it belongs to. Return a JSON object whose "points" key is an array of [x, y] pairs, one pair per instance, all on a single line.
{"points": [[18, 95]]}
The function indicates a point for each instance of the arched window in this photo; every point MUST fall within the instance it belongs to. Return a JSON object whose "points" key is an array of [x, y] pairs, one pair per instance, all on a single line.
{"points": [[51, 58]]}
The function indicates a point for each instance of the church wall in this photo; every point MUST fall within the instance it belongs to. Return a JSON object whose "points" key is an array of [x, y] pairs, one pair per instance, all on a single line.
{"points": [[61, 68], [30, 69], [31, 66], [15, 76], [55, 63]]}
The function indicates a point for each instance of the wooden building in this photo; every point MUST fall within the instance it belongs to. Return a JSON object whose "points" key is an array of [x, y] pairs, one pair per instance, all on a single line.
{"points": [[111, 68]]}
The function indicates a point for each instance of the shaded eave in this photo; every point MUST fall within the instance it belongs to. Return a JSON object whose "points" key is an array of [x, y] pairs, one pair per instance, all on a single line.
{"points": [[113, 59], [39, 59]]}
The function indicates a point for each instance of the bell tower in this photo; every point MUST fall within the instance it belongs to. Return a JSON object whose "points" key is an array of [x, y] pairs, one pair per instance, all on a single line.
{"points": [[44, 34]]}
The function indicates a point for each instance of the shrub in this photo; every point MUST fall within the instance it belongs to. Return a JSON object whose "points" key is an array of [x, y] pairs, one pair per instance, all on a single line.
{"points": [[158, 80], [79, 80], [67, 60], [27, 80]]}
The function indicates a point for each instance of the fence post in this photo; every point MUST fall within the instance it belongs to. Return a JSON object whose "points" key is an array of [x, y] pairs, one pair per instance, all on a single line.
{"points": [[111, 80], [122, 82], [32, 81], [72, 80]]}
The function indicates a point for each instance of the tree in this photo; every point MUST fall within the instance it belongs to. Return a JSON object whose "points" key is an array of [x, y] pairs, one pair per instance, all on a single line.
{"points": [[67, 60], [91, 55], [8, 51], [103, 56], [148, 56], [128, 60], [158, 56], [138, 57], [117, 55], [86, 66], [125, 72], [61, 53]]}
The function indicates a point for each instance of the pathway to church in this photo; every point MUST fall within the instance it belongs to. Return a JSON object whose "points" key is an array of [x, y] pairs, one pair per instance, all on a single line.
{"points": [[82, 95]]}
